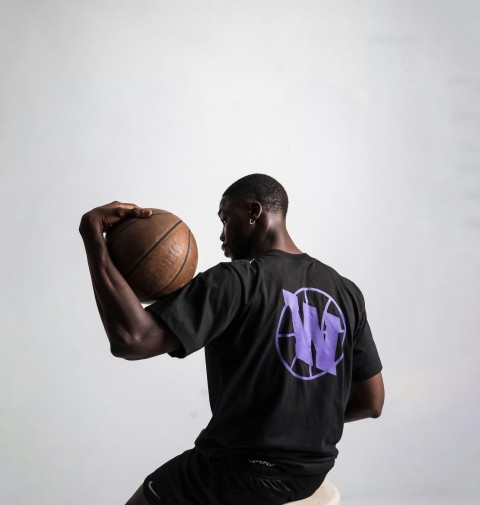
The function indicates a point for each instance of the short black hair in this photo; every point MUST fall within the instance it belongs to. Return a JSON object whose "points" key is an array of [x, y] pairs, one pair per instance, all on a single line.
{"points": [[269, 192]]}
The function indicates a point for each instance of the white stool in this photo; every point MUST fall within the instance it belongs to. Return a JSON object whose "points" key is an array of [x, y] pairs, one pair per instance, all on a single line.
{"points": [[326, 494]]}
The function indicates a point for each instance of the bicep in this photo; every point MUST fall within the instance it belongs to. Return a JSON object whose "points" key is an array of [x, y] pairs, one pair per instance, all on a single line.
{"points": [[370, 392], [156, 339]]}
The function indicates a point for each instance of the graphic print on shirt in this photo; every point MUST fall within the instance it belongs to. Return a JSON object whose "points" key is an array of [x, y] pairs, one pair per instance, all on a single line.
{"points": [[310, 333]]}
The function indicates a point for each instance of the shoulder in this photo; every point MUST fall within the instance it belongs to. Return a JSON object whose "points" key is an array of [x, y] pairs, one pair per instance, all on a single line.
{"points": [[347, 285], [237, 267], [228, 273], [352, 287]]}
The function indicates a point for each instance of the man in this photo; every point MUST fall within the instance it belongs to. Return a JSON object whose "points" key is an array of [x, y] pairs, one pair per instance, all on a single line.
{"points": [[288, 349]]}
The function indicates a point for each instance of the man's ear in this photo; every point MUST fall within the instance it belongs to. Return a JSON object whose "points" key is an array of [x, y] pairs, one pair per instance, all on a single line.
{"points": [[256, 210]]}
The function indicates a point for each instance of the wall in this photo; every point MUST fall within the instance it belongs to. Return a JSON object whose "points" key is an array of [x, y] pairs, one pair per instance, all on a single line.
{"points": [[367, 111]]}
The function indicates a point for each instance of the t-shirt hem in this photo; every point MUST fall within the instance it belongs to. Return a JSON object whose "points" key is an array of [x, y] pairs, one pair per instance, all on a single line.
{"points": [[367, 375]]}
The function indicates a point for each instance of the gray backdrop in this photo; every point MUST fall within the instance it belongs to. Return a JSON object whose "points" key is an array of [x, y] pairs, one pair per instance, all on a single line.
{"points": [[367, 111]]}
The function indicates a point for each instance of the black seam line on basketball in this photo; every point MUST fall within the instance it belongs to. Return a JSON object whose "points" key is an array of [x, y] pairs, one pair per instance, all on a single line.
{"points": [[178, 273], [134, 220], [151, 249]]}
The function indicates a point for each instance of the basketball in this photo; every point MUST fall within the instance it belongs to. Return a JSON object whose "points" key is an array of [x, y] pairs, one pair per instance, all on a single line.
{"points": [[156, 255]]}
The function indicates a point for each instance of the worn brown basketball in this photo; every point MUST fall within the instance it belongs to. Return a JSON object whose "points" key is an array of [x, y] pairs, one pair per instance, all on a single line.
{"points": [[157, 255]]}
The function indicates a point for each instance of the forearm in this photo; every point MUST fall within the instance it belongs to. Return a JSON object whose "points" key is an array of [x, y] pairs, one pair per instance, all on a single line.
{"points": [[119, 308]]}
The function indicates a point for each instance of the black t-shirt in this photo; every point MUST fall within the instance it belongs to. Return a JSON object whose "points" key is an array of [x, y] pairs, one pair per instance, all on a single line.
{"points": [[284, 337]]}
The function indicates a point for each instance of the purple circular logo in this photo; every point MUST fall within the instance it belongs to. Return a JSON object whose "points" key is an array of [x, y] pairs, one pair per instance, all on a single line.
{"points": [[310, 333]]}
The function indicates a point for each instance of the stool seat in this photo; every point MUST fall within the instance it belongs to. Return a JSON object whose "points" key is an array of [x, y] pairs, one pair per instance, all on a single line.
{"points": [[326, 494]]}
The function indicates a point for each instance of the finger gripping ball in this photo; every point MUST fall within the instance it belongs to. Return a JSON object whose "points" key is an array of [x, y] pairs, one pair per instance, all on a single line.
{"points": [[157, 255]]}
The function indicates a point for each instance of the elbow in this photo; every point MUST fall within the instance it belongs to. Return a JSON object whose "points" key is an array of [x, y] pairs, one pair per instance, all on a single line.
{"points": [[118, 350], [135, 349], [125, 348], [377, 408], [143, 345], [125, 353]]}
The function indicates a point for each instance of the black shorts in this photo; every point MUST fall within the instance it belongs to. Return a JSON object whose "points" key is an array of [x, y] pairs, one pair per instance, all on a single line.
{"points": [[195, 479]]}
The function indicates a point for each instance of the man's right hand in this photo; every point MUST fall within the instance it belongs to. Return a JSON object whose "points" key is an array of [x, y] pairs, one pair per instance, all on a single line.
{"points": [[100, 219]]}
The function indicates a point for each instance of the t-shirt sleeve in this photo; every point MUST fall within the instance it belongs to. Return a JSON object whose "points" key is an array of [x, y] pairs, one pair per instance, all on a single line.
{"points": [[205, 308], [366, 361]]}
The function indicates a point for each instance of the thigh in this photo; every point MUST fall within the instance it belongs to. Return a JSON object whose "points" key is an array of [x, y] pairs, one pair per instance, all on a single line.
{"points": [[195, 479], [177, 482], [259, 484]]}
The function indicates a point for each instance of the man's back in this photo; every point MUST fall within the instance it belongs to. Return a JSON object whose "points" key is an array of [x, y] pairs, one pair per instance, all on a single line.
{"points": [[283, 336]]}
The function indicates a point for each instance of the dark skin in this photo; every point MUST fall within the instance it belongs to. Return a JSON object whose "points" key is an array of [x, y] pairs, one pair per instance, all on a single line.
{"points": [[133, 332], [248, 231]]}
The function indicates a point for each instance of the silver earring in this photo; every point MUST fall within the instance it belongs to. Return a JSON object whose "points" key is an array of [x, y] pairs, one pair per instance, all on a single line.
{"points": [[252, 221]]}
